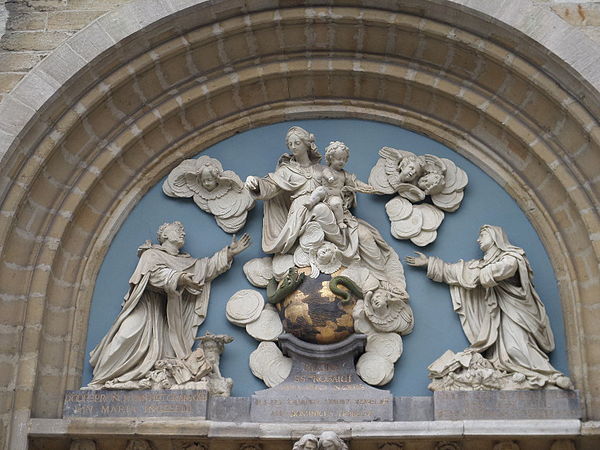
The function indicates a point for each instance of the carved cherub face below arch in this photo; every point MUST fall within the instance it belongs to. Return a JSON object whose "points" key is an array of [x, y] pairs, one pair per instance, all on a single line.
{"points": [[410, 168], [209, 176], [432, 183], [216, 191]]}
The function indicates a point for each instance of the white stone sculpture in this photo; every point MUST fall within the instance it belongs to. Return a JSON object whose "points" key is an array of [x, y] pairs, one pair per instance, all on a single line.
{"points": [[375, 369], [308, 223], [306, 442], [244, 307], [502, 317], [414, 178], [383, 316], [329, 440], [269, 364], [259, 271], [213, 346], [267, 327], [166, 303], [337, 186], [216, 191], [288, 209]]}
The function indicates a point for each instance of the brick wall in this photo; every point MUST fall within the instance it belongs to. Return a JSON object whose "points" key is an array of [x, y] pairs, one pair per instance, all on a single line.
{"points": [[33, 28]]}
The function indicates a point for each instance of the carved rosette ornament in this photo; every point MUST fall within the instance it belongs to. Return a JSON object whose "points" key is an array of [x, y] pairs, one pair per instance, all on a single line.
{"points": [[328, 440], [502, 316], [506, 445], [251, 447], [83, 444], [446, 445], [563, 444], [193, 446], [216, 191], [138, 444], [414, 178]]}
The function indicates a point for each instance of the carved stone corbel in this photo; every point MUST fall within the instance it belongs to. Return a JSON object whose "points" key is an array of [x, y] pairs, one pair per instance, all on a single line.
{"points": [[506, 445], [138, 444], [563, 444], [447, 445], [83, 444]]}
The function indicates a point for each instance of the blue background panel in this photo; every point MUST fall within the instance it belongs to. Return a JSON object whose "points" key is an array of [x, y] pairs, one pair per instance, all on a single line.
{"points": [[256, 152]]}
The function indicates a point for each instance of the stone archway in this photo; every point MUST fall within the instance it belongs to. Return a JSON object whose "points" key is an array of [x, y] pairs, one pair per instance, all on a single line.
{"points": [[107, 114]]}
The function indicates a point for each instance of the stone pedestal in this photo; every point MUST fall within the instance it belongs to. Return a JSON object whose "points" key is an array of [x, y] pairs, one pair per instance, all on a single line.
{"points": [[322, 387]]}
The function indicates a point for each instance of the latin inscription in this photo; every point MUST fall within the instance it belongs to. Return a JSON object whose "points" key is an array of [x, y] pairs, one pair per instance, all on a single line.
{"points": [[135, 404], [514, 405], [322, 389]]}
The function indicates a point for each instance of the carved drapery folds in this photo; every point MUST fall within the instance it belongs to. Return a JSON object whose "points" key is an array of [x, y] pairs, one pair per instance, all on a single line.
{"points": [[413, 178], [502, 316], [216, 191]]}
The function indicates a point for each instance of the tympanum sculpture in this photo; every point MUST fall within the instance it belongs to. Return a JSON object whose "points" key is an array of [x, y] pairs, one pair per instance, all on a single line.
{"points": [[328, 440], [216, 191], [324, 259], [502, 317], [150, 343], [413, 178]]}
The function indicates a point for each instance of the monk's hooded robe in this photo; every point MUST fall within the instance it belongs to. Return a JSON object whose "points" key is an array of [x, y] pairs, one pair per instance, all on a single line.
{"points": [[158, 320]]}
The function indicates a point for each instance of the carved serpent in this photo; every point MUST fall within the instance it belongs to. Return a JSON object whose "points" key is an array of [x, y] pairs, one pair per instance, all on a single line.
{"points": [[277, 292], [347, 283]]}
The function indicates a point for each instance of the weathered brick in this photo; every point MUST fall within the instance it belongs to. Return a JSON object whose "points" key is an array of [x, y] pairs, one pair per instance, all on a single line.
{"points": [[26, 21], [19, 61], [33, 40], [94, 4], [71, 20], [9, 80]]}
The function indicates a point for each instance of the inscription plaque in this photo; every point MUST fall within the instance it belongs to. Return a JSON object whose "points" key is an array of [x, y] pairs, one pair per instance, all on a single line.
{"points": [[121, 403], [322, 387], [545, 404]]}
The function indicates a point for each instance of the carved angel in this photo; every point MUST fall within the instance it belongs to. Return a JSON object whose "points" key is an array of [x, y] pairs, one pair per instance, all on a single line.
{"points": [[413, 178], [216, 191], [383, 315]]}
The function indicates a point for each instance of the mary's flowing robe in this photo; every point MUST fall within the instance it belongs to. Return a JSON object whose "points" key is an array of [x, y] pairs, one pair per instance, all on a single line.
{"points": [[158, 319], [500, 311], [285, 192]]}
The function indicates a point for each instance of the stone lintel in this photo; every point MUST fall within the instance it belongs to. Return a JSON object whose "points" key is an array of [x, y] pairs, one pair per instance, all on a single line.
{"points": [[148, 427]]}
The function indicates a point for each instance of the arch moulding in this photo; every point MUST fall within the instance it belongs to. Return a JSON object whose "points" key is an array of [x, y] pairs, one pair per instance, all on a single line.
{"points": [[108, 113]]}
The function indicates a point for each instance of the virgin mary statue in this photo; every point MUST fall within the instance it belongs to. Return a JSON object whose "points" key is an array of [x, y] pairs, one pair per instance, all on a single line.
{"points": [[286, 217]]}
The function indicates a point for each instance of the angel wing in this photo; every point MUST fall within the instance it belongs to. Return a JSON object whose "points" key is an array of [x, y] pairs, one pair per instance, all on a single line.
{"points": [[384, 176], [230, 210], [226, 198], [452, 194], [183, 180]]}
